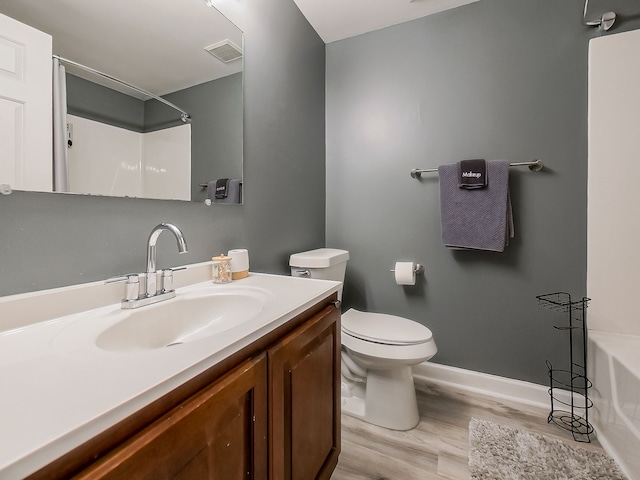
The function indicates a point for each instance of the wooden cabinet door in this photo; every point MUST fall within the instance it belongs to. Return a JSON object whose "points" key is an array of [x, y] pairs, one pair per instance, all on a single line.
{"points": [[304, 396], [219, 433]]}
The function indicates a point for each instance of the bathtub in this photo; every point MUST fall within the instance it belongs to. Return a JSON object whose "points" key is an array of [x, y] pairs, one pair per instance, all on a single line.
{"points": [[614, 369]]}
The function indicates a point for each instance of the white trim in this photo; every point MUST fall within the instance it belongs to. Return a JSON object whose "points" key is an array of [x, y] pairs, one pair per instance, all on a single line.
{"points": [[483, 383]]}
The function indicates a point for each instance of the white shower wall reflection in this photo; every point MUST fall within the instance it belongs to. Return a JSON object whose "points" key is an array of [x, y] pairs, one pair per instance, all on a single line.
{"points": [[113, 161]]}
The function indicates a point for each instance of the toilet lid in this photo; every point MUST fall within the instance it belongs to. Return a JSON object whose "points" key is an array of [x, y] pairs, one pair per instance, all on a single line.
{"points": [[383, 328]]}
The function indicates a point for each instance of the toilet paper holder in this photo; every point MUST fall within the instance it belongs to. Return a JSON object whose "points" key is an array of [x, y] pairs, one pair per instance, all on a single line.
{"points": [[417, 268]]}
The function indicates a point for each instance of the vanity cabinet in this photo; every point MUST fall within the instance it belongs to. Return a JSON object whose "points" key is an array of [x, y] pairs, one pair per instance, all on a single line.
{"points": [[270, 411]]}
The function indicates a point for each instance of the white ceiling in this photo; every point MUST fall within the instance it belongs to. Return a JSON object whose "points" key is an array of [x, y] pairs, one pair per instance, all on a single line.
{"points": [[339, 19], [157, 45]]}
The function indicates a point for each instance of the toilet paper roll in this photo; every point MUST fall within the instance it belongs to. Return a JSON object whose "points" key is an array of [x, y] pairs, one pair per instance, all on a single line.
{"points": [[405, 273], [239, 259]]}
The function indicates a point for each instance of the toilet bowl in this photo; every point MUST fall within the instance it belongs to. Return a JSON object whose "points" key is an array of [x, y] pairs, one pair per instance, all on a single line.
{"points": [[378, 351]]}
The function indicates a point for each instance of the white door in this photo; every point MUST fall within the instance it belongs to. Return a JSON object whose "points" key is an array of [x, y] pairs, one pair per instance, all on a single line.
{"points": [[25, 107]]}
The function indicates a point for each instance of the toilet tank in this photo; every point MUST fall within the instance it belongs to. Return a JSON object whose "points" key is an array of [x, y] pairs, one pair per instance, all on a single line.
{"points": [[322, 263]]}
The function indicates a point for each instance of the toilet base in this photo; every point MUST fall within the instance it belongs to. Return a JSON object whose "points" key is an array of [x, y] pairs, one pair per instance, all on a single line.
{"points": [[387, 399]]}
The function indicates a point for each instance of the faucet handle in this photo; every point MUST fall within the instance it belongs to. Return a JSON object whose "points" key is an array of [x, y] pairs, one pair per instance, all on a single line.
{"points": [[132, 285], [167, 280], [121, 278]]}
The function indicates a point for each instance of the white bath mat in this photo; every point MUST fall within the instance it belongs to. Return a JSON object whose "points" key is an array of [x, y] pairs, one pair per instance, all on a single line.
{"points": [[498, 452]]}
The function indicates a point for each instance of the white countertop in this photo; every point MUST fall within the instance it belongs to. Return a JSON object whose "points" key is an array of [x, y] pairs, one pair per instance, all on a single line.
{"points": [[59, 389]]}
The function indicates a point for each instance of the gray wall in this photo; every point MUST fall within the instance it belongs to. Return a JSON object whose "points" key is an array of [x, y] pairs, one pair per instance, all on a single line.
{"points": [[497, 79], [49, 240], [216, 129], [87, 99]]}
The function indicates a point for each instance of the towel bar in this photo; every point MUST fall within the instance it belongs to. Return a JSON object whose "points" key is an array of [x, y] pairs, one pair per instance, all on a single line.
{"points": [[534, 166]]}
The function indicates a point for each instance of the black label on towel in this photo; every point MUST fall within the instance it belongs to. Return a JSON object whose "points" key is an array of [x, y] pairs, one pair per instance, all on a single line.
{"points": [[472, 174]]}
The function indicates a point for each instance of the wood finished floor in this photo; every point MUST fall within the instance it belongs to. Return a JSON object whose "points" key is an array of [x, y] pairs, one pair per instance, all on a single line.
{"points": [[438, 448]]}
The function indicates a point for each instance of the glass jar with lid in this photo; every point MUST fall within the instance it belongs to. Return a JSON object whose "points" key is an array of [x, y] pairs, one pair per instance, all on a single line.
{"points": [[221, 270]]}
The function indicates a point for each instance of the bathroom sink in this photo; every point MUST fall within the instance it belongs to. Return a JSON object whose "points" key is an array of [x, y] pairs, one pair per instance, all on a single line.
{"points": [[183, 319]]}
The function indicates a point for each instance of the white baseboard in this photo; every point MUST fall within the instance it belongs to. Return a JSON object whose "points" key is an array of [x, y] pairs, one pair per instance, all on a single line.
{"points": [[482, 383]]}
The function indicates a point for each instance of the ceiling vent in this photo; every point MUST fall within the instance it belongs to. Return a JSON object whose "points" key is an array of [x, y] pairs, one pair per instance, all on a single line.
{"points": [[225, 51]]}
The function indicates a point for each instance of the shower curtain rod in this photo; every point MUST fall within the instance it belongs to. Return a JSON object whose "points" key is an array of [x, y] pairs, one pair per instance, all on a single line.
{"points": [[184, 116], [534, 166]]}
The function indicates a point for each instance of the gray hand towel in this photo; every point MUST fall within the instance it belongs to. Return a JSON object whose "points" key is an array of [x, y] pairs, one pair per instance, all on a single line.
{"points": [[222, 188], [232, 192], [477, 219]]}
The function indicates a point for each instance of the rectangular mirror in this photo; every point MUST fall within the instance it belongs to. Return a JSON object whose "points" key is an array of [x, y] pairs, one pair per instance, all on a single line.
{"points": [[119, 141]]}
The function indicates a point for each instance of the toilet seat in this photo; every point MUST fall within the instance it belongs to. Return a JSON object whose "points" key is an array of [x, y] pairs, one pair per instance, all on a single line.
{"points": [[384, 329]]}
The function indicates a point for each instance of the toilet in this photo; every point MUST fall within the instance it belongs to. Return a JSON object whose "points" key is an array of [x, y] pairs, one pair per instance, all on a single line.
{"points": [[378, 351]]}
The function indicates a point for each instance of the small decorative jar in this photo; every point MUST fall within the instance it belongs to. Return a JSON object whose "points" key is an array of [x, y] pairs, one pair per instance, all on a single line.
{"points": [[221, 270]]}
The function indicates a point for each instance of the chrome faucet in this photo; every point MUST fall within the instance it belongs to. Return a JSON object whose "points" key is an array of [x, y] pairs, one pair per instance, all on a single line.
{"points": [[151, 276], [146, 288]]}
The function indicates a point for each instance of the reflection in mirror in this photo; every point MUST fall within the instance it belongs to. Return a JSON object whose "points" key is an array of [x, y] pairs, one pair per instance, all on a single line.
{"points": [[120, 142]]}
